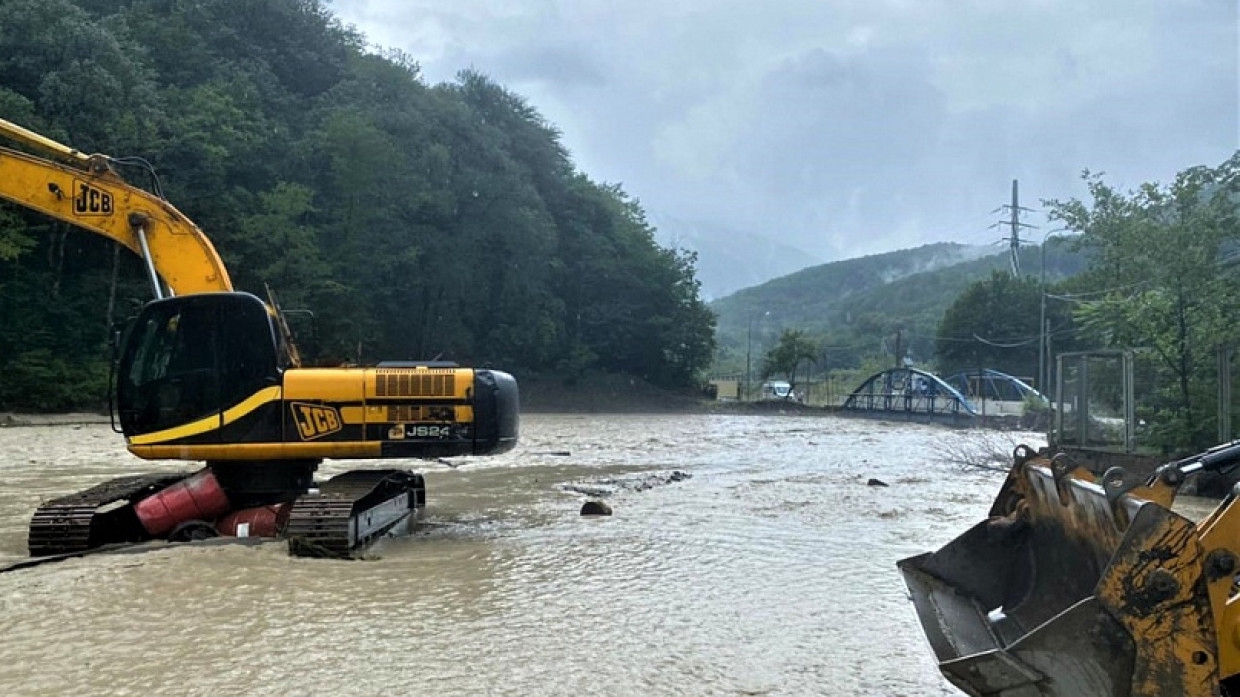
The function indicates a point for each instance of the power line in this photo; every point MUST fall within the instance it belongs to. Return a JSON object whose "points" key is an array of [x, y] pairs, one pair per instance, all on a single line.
{"points": [[997, 344], [966, 230], [1087, 296], [1014, 342]]}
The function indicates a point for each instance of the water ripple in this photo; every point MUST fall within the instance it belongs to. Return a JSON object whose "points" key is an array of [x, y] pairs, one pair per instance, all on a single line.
{"points": [[769, 572]]}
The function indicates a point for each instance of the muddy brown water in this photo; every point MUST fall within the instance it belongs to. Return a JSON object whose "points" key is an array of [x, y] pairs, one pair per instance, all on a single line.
{"points": [[770, 571]]}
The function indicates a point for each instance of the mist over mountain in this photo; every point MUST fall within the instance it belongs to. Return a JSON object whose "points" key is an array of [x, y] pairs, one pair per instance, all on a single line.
{"points": [[730, 259], [807, 296]]}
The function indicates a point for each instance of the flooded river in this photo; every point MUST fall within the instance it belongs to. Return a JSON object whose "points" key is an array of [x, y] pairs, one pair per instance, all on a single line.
{"points": [[769, 571]]}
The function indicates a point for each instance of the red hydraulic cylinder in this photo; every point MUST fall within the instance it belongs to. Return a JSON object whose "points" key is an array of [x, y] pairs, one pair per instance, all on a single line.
{"points": [[198, 497], [264, 521]]}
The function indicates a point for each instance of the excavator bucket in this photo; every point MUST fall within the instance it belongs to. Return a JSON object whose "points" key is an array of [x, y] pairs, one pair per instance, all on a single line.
{"points": [[1074, 587]]}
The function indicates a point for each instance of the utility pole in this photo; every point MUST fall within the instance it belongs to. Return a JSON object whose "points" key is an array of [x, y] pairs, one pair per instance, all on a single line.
{"points": [[1014, 209], [748, 352], [826, 376], [1042, 324]]}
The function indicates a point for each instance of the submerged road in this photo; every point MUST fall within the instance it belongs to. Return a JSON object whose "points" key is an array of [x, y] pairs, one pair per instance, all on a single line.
{"points": [[769, 570]]}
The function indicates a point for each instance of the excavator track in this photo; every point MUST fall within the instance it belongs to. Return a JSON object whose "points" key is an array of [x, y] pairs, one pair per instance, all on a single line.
{"points": [[352, 510], [73, 523]]}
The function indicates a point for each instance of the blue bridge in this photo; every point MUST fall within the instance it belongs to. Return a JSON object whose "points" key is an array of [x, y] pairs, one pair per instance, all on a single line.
{"points": [[911, 392], [921, 395]]}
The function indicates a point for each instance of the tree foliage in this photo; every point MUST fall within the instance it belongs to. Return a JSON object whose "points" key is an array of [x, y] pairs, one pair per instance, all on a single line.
{"points": [[1164, 281], [416, 220], [994, 324], [1161, 280], [793, 348]]}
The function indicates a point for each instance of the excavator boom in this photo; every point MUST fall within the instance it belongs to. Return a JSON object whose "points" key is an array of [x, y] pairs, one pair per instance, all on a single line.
{"points": [[88, 193]]}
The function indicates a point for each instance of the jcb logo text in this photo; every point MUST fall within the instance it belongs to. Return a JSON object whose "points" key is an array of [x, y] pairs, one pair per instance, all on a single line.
{"points": [[314, 421], [90, 200]]}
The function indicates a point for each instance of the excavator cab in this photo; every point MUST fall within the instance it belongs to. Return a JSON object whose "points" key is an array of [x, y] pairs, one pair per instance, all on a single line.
{"points": [[191, 357]]}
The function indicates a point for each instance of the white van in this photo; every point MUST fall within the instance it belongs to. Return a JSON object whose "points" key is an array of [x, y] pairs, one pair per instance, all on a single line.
{"points": [[777, 390]]}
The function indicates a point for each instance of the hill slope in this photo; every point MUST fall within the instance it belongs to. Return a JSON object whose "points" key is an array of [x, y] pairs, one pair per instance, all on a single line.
{"points": [[418, 221], [857, 305]]}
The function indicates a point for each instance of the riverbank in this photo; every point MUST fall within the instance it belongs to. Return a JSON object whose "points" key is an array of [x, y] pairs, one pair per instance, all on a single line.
{"points": [[10, 419], [619, 394]]}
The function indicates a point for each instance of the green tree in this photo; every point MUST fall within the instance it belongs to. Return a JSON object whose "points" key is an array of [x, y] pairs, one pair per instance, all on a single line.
{"points": [[416, 221], [279, 247], [793, 347], [993, 324], [1162, 285]]}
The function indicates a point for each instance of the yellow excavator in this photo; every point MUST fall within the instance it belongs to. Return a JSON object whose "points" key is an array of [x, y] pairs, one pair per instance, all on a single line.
{"points": [[1084, 586], [209, 374]]}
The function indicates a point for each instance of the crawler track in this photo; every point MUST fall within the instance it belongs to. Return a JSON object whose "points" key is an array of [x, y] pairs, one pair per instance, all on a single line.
{"points": [[352, 510], [73, 523]]}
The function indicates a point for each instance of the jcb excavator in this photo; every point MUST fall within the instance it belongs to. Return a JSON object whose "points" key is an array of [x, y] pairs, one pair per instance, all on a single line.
{"points": [[206, 373], [1079, 586]]}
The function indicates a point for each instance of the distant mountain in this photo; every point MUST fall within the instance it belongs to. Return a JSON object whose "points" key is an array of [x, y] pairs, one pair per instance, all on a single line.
{"points": [[809, 296], [729, 259], [859, 301]]}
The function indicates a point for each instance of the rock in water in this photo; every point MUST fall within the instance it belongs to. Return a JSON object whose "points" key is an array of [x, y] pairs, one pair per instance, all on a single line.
{"points": [[595, 508]]}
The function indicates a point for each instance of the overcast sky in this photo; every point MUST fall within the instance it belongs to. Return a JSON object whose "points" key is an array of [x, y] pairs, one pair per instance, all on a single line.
{"points": [[849, 127]]}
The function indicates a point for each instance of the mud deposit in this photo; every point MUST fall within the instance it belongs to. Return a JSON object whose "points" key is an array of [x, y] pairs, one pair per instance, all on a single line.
{"points": [[766, 567]]}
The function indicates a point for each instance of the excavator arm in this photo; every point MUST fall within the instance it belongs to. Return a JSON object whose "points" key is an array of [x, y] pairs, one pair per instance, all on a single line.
{"points": [[86, 191]]}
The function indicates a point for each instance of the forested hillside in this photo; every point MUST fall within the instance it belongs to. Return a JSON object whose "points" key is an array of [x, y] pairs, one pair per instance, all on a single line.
{"points": [[416, 221]]}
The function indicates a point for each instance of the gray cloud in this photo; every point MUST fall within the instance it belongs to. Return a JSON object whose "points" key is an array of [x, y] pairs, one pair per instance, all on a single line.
{"points": [[563, 65], [849, 127]]}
